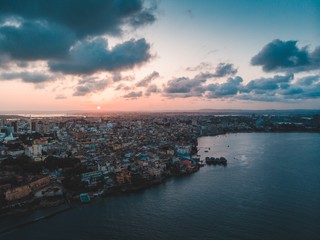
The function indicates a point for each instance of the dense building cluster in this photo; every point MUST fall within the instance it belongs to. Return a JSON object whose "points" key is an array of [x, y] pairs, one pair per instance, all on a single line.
{"points": [[57, 157]]}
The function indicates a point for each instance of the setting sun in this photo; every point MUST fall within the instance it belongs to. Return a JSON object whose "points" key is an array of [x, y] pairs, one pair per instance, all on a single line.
{"points": [[98, 107]]}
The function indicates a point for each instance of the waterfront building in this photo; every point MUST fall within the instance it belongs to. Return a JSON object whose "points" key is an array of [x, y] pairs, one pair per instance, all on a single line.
{"points": [[40, 183], [17, 193], [84, 198]]}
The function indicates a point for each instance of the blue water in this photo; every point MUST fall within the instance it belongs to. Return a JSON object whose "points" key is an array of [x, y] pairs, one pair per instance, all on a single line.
{"points": [[270, 189]]}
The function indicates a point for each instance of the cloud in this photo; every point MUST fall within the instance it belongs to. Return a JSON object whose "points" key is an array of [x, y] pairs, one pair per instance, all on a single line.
{"points": [[201, 67], [315, 57], [92, 56], [148, 79], [304, 88], [212, 51], [221, 70], [142, 18], [60, 96], [4, 61], [196, 87], [311, 92], [284, 56], [152, 89], [292, 90], [184, 85], [133, 95], [122, 86], [68, 34], [35, 40], [228, 89], [83, 18], [27, 77], [189, 13], [117, 77], [225, 69], [309, 80], [90, 85], [268, 84], [279, 88], [292, 93], [260, 98]]}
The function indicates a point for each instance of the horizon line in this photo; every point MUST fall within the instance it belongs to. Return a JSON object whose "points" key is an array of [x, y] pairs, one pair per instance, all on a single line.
{"points": [[152, 111]]}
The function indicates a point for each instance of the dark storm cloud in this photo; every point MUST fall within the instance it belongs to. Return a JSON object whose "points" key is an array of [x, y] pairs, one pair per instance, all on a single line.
{"points": [[35, 40], [82, 17], [27, 77], [133, 95], [90, 85], [285, 55], [59, 31], [92, 56], [148, 79]]}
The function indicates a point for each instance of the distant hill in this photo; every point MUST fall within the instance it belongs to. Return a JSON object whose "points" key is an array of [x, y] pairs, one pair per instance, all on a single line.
{"points": [[264, 111]]}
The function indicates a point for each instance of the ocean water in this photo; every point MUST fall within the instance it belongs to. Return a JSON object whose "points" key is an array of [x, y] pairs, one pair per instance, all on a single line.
{"points": [[270, 189]]}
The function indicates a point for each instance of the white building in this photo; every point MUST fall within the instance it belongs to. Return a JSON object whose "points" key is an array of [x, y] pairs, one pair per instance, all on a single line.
{"points": [[34, 151]]}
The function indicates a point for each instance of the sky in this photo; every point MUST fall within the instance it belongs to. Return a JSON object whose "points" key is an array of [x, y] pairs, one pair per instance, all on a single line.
{"points": [[159, 55]]}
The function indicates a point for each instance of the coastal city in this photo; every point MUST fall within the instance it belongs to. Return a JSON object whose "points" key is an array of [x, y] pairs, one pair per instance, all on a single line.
{"points": [[159, 119], [48, 161]]}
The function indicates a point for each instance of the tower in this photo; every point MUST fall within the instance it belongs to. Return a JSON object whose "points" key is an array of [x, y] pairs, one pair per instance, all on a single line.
{"points": [[30, 126], [14, 124]]}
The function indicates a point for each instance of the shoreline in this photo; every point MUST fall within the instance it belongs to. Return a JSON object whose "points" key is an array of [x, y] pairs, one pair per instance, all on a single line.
{"points": [[31, 221], [119, 190], [126, 188]]}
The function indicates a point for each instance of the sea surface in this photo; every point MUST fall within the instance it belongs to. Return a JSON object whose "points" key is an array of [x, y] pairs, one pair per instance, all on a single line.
{"points": [[270, 189], [43, 115]]}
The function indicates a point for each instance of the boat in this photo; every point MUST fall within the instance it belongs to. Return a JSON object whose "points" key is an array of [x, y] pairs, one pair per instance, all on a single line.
{"points": [[84, 198], [196, 157], [214, 161], [201, 163], [98, 194]]}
